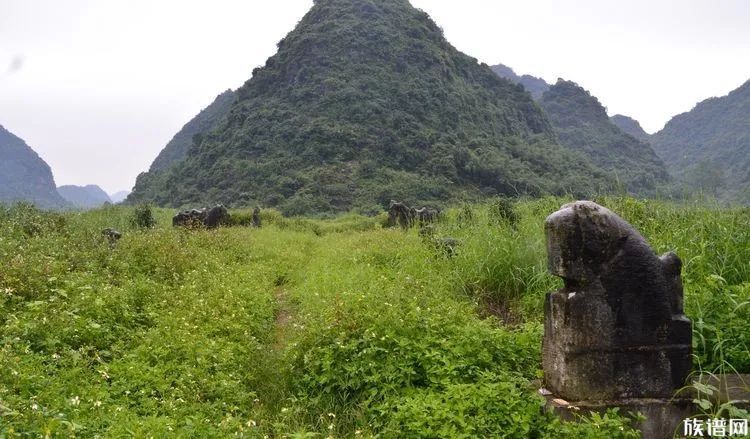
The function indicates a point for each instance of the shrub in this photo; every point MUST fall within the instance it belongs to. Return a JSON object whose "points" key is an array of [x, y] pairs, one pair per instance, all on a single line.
{"points": [[502, 210], [142, 217]]}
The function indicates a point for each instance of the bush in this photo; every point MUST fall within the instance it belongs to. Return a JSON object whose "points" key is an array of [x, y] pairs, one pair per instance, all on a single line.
{"points": [[142, 217], [493, 406], [502, 211]]}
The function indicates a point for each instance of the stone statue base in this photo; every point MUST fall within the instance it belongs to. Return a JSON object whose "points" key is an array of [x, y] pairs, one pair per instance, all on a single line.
{"points": [[664, 416]]}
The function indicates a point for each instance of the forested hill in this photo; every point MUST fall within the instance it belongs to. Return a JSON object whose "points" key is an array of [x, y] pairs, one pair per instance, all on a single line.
{"points": [[205, 121], [582, 124], [535, 86], [628, 125], [366, 101], [708, 148], [24, 176]]}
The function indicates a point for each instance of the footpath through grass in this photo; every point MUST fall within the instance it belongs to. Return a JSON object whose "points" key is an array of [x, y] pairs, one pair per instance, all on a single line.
{"points": [[311, 328]]}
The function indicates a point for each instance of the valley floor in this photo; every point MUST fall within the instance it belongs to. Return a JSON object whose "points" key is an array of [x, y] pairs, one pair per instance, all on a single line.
{"points": [[317, 328]]}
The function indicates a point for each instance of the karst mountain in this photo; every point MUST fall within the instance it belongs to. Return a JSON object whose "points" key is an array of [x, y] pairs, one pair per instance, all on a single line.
{"points": [[708, 148], [580, 121], [582, 124], [204, 122], [364, 102], [24, 176]]}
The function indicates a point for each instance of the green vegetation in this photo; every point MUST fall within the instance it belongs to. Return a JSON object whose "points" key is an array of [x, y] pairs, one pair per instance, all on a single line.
{"points": [[316, 328], [143, 217], [582, 124], [24, 175], [366, 102], [706, 149], [204, 122], [628, 125], [532, 84]]}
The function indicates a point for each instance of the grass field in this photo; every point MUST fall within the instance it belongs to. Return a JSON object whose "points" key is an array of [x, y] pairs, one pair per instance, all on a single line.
{"points": [[317, 328]]}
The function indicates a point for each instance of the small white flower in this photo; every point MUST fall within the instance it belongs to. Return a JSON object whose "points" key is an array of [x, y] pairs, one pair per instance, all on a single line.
{"points": [[97, 404], [251, 423], [34, 407], [75, 400], [284, 410], [330, 426], [331, 415]]}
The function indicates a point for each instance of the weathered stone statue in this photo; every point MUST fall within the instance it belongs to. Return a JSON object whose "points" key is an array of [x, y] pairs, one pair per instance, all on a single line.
{"points": [[426, 215], [616, 330], [216, 216], [209, 218], [401, 214], [111, 235], [256, 218], [189, 218]]}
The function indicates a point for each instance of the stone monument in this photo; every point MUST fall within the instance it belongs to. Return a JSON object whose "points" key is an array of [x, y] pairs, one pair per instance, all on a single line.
{"points": [[616, 330]]}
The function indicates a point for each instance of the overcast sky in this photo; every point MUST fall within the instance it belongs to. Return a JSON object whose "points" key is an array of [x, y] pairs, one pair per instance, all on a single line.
{"points": [[98, 87]]}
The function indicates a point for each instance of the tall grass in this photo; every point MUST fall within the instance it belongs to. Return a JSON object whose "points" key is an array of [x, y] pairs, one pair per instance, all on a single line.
{"points": [[317, 328]]}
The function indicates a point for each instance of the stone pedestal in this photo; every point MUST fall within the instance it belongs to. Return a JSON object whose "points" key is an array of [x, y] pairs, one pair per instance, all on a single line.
{"points": [[664, 417], [587, 356]]}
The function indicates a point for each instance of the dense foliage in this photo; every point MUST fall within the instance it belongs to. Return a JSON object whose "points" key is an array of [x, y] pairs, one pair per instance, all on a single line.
{"points": [[628, 125], [366, 102], [24, 175], [309, 328], [204, 122], [582, 124], [707, 149], [532, 84]]}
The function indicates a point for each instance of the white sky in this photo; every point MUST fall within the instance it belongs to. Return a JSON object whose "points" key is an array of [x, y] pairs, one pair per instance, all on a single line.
{"points": [[98, 87]]}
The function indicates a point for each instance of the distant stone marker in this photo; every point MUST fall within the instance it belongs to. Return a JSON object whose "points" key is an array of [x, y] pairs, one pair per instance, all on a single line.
{"points": [[616, 330], [111, 235], [256, 217], [210, 218]]}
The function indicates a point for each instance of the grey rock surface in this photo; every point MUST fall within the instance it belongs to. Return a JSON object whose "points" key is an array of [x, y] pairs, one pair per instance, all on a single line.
{"points": [[210, 218], [617, 328]]}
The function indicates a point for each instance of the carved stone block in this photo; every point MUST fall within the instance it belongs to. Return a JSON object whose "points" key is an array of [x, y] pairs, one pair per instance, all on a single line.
{"points": [[616, 329]]}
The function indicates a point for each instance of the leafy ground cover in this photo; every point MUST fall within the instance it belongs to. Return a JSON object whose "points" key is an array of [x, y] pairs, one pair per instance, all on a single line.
{"points": [[317, 328]]}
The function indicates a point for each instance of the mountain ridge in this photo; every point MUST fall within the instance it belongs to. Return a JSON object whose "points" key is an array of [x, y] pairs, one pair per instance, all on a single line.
{"points": [[534, 85], [582, 124], [205, 121], [84, 197], [363, 102], [24, 175], [708, 147], [628, 125]]}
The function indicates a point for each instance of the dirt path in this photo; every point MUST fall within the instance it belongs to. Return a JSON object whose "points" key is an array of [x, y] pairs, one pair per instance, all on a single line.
{"points": [[283, 318]]}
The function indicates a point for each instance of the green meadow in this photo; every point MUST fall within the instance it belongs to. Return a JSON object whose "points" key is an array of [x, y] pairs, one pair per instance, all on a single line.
{"points": [[316, 328]]}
